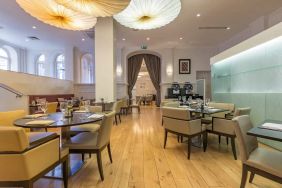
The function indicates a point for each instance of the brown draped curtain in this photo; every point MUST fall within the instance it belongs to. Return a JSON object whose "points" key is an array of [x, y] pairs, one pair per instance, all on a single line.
{"points": [[153, 64], [133, 67]]}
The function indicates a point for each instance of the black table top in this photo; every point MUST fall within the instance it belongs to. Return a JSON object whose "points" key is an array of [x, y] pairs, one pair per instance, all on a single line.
{"points": [[270, 134], [60, 120], [207, 111]]}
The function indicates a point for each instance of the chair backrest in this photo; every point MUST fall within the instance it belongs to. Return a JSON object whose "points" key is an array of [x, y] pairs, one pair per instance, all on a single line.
{"points": [[95, 109], [242, 111], [175, 104], [104, 133], [13, 139], [177, 113], [117, 106], [225, 106], [179, 120], [246, 143], [52, 107], [8, 118]]}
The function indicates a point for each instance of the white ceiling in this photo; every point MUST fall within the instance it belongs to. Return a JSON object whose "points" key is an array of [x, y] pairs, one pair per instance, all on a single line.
{"points": [[236, 14], [17, 25]]}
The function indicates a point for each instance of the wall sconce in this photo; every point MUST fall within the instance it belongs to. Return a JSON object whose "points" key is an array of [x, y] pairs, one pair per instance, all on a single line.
{"points": [[119, 70], [169, 70]]}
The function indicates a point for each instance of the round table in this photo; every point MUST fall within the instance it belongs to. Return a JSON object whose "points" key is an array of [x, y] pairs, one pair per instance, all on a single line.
{"points": [[64, 123]]}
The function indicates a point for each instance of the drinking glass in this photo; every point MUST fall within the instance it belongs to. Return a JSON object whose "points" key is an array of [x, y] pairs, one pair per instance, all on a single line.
{"points": [[43, 107], [86, 105], [63, 107]]}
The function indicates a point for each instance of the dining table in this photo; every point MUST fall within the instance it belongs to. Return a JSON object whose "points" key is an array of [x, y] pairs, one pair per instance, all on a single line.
{"points": [[58, 120], [269, 129]]}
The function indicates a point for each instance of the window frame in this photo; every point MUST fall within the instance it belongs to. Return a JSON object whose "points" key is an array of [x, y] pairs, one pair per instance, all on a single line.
{"points": [[8, 58], [37, 62], [56, 67]]}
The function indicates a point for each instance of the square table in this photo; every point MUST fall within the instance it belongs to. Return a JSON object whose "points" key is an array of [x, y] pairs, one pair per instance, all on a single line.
{"points": [[266, 133]]}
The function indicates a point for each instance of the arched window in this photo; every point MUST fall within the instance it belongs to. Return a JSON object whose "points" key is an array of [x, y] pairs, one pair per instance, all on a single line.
{"points": [[87, 69], [4, 60], [40, 65], [60, 67]]}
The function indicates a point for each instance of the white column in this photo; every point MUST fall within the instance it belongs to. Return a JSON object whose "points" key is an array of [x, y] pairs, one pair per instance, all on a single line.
{"points": [[105, 69]]}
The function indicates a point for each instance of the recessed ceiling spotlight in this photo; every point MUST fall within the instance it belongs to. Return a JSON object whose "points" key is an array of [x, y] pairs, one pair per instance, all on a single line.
{"points": [[181, 38], [198, 15], [83, 39], [123, 39], [228, 28], [148, 38], [34, 27]]}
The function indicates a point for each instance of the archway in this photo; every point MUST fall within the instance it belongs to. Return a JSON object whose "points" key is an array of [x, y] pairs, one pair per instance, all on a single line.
{"points": [[153, 64]]}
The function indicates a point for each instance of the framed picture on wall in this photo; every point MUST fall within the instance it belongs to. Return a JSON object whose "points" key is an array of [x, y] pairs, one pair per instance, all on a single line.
{"points": [[184, 66]]}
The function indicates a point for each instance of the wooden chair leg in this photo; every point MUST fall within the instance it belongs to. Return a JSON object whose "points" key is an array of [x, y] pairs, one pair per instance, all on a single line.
{"points": [[100, 165], [165, 138], [28, 184], [116, 120], [109, 152], [189, 148], [252, 177], [82, 157], [89, 155], [227, 140], [181, 139], [119, 118], [219, 138], [233, 148], [65, 173], [178, 138], [205, 141], [244, 176], [139, 109]]}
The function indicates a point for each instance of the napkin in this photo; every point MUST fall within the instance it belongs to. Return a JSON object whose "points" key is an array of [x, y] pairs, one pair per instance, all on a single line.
{"points": [[273, 126], [40, 122], [94, 116], [80, 111], [34, 116]]}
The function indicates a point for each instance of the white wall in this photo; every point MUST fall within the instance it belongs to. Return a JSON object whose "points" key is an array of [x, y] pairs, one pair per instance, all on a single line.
{"points": [[169, 63], [254, 28], [29, 85]]}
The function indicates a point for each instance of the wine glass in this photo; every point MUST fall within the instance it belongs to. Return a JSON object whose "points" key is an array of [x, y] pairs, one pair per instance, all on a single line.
{"points": [[43, 107], [86, 105], [63, 107], [207, 101]]}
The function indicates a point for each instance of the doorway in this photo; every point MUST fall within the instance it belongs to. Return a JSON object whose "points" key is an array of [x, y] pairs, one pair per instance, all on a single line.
{"points": [[143, 72], [144, 87]]}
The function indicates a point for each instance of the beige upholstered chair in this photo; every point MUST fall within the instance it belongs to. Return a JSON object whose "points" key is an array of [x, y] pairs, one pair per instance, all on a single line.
{"points": [[226, 106], [90, 142], [225, 127], [91, 127], [51, 107], [174, 104], [117, 108], [257, 160], [21, 156], [179, 122], [124, 106], [136, 105]]}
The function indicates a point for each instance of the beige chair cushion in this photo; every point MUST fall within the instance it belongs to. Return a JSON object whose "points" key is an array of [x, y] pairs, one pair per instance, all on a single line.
{"points": [[87, 140], [86, 128], [182, 126], [223, 126], [38, 137], [247, 144], [266, 160], [13, 139], [242, 111]]}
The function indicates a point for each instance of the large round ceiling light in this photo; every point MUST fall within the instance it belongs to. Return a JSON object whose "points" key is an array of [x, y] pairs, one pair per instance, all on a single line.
{"points": [[149, 14], [97, 8], [49, 12]]}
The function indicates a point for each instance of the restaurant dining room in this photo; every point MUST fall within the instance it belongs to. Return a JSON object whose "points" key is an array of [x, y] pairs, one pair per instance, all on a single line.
{"points": [[141, 93]]}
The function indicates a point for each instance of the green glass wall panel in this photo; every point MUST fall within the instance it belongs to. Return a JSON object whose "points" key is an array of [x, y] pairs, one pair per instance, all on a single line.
{"points": [[253, 79]]}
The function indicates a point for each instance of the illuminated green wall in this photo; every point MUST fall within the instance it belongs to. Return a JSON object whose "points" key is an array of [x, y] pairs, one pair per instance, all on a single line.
{"points": [[252, 78]]}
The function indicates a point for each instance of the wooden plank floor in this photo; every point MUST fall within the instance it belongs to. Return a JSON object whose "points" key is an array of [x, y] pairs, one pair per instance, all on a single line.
{"points": [[139, 160]]}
